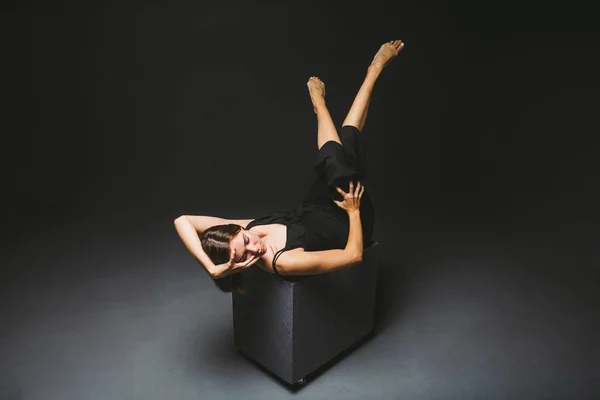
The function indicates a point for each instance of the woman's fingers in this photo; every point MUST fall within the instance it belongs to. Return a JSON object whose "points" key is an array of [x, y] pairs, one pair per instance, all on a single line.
{"points": [[358, 186], [252, 260], [355, 192], [247, 262]]}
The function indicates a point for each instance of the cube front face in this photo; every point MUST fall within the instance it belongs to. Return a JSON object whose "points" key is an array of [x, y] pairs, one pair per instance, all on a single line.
{"points": [[294, 327], [263, 322]]}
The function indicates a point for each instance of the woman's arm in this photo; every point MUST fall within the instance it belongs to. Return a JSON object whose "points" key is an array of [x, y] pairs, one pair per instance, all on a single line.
{"points": [[189, 236], [203, 222], [319, 262]]}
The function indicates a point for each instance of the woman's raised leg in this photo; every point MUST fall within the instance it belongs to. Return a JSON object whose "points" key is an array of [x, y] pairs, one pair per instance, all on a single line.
{"points": [[357, 116], [326, 129]]}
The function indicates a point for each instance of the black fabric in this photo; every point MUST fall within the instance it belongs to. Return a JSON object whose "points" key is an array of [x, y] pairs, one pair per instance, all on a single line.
{"points": [[319, 224]]}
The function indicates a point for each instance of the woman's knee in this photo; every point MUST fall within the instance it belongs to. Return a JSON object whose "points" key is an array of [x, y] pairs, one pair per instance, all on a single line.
{"points": [[351, 128]]}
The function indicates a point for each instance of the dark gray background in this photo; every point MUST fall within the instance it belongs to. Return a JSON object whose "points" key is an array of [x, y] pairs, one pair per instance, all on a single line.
{"points": [[121, 116]]}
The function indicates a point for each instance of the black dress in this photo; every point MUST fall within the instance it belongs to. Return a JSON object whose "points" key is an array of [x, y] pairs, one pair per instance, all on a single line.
{"points": [[319, 224]]}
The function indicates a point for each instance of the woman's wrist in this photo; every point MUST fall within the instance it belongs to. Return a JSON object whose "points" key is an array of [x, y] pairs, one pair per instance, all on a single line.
{"points": [[212, 268]]}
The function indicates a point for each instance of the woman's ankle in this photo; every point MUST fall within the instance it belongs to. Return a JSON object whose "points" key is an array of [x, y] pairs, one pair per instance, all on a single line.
{"points": [[319, 105]]}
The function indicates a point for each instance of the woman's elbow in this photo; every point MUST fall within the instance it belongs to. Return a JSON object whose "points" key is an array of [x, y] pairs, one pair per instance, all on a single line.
{"points": [[281, 269], [179, 220], [358, 258]]}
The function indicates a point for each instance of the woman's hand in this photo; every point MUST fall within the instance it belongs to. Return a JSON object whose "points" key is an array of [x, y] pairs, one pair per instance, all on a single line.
{"points": [[230, 267], [351, 200]]}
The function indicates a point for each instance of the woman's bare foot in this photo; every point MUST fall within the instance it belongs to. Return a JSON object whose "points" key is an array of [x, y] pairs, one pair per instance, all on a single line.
{"points": [[387, 51], [316, 89]]}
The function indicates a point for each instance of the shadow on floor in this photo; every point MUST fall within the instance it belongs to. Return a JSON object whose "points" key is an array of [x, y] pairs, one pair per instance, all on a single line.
{"points": [[392, 288]]}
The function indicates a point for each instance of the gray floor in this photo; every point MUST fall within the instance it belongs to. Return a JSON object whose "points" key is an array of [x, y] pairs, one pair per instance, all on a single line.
{"points": [[127, 315]]}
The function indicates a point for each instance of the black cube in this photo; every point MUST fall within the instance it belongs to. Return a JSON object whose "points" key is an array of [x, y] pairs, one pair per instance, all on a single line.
{"points": [[292, 325]]}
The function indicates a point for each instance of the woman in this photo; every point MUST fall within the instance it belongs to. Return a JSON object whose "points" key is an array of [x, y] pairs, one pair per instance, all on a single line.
{"points": [[327, 232]]}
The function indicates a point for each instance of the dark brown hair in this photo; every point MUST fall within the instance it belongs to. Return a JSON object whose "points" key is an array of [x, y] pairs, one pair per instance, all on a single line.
{"points": [[216, 244]]}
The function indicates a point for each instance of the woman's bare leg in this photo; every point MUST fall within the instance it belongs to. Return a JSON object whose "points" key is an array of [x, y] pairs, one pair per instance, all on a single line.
{"points": [[357, 116], [326, 129]]}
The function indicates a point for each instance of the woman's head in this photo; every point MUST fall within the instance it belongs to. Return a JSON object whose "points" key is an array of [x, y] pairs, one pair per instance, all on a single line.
{"points": [[221, 242], [215, 242]]}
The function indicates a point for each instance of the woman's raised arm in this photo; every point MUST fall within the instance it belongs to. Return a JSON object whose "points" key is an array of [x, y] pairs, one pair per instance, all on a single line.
{"points": [[189, 236], [203, 222]]}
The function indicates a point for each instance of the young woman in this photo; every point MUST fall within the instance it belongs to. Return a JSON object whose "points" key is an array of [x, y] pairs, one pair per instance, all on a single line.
{"points": [[332, 225]]}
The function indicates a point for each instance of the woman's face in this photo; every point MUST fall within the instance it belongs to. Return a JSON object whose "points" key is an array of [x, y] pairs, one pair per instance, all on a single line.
{"points": [[248, 246]]}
